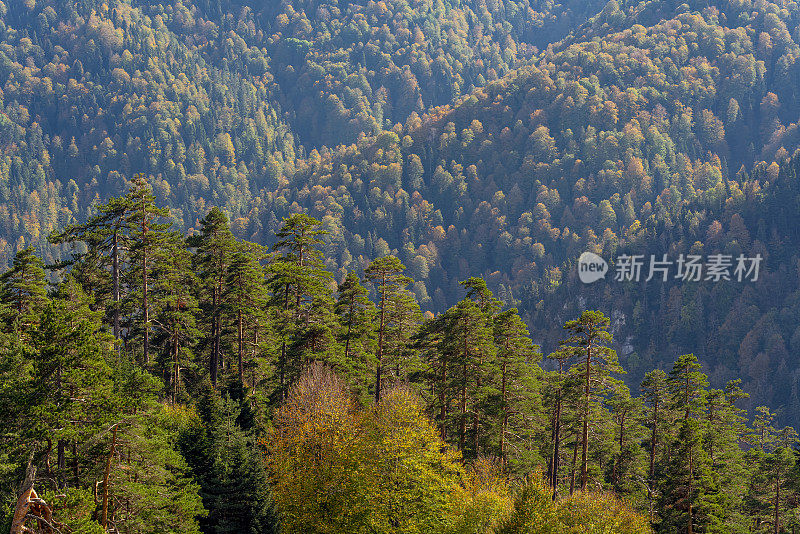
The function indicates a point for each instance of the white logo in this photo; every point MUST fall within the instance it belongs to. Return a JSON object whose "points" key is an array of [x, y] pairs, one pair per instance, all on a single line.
{"points": [[591, 267]]}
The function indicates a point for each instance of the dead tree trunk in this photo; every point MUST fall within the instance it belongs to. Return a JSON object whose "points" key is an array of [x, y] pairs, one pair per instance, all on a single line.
{"points": [[30, 506]]}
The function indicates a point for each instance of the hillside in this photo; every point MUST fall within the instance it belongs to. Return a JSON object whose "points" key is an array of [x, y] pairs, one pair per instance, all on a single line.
{"points": [[313, 266], [651, 140]]}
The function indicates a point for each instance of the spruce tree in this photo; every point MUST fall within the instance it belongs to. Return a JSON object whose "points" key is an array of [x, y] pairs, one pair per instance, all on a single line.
{"points": [[224, 459]]}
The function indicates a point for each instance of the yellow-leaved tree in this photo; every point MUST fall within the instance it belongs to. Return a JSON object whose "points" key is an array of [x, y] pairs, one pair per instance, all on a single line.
{"points": [[383, 469]]}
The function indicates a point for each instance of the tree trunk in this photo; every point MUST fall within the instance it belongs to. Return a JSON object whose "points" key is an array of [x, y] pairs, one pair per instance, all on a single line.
{"points": [[585, 440], [443, 401], [476, 416], [115, 279], [462, 429], [574, 465], [60, 460], [349, 329], [690, 528], [777, 504], [240, 328], [504, 421], [214, 363], [145, 305], [106, 473], [653, 441], [176, 371], [379, 368], [557, 434]]}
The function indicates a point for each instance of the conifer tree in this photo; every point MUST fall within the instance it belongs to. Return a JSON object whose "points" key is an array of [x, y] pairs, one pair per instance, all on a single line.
{"points": [[403, 319], [302, 296], [471, 345], [245, 299], [387, 275], [557, 382], [175, 309], [626, 415], [357, 332], [687, 482], [655, 391], [589, 340], [106, 236], [72, 393], [224, 458], [23, 291], [147, 236], [519, 400], [215, 247]]}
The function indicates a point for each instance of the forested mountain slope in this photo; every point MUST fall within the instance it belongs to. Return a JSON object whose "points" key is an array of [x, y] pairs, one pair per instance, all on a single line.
{"points": [[650, 127], [92, 94], [645, 140]]}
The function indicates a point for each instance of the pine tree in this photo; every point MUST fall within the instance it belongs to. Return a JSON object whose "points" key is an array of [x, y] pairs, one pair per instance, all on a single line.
{"points": [[245, 299], [519, 401], [387, 275], [589, 339], [557, 382], [626, 416], [215, 247], [147, 236], [175, 309], [471, 345], [149, 483], [655, 391], [357, 332], [301, 296], [687, 481], [403, 319], [23, 291], [106, 236], [72, 393]]}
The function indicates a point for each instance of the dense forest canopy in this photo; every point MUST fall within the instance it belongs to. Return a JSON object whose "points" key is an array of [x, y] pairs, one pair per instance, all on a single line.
{"points": [[248, 212]]}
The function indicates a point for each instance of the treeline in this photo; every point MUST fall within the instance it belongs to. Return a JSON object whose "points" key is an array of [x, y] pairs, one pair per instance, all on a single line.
{"points": [[172, 383]]}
